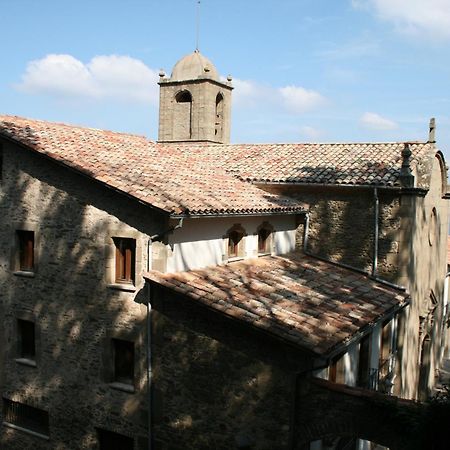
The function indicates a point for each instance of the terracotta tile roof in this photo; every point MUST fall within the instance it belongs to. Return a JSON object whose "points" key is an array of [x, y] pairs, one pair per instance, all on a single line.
{"points": [[375, 164], [313, 304], [164, 176]]}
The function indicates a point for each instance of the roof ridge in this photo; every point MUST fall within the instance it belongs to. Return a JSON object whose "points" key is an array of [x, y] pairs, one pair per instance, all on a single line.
{"points": [[81, 127]]}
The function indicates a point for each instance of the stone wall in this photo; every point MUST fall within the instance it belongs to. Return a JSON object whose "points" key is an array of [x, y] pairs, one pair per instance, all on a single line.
{"points": [[217, 383], [342, 224], [69, 297]]}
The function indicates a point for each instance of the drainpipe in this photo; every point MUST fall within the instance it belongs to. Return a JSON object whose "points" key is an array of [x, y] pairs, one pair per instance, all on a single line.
{"points": [[375, 240], [149, 330], [149, 366]]}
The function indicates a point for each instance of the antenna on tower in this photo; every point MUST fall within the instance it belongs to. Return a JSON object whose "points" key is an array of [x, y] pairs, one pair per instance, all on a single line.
{"points": [[198, 25]]}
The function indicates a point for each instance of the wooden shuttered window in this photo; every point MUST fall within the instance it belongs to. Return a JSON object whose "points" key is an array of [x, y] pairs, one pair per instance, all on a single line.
{"points": [[26, 250], [264, 235], [125, 260]]}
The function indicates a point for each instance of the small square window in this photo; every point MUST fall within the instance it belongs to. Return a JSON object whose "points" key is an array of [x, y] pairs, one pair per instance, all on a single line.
{"points": [[26, 338], [125, 260], [108, 440], [26, 250], [25, 417], [123, 356]]}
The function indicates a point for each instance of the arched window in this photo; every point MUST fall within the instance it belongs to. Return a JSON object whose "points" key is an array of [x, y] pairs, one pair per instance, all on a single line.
{"points": [[219, 117], [235, 244], [433, 231], [265, 239], [182, 125]]}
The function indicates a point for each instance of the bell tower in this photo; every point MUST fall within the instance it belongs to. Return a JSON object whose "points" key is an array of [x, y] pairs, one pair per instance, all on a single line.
{"points": [[194, 104]]}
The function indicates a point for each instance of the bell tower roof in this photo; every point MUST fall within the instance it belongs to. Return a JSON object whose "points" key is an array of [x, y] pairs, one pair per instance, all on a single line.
{"points": [[193, 67]]}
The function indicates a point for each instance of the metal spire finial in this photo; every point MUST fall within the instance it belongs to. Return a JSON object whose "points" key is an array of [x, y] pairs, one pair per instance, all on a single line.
{"points": [[198, 25]]}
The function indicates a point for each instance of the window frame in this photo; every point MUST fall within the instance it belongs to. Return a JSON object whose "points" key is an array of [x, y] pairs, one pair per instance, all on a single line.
{"points": [[239, 246], [23, 352], [269, 240], [125, 260], [17, 411], [117, 344], [26, 243]]}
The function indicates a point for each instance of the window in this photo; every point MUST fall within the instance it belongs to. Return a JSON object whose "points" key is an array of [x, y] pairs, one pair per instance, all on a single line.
{"points": [[219, 117], [235, 238], [265, 239], [183, 116], [109, 440], [364, 362], [123, 356], [26, 335], [26, 250], [336, 371], [25, 417], [125, 260]]}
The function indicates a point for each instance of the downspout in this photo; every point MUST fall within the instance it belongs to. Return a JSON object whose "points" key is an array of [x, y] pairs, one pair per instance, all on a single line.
{"points": [[149, 331], [149, 366], [375, 237]]}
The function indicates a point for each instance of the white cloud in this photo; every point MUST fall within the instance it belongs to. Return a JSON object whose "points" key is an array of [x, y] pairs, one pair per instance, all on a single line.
{"points": [[294, 99], [310, 133], [429, 17], [376, 122], [112, 76], [299, 100]]}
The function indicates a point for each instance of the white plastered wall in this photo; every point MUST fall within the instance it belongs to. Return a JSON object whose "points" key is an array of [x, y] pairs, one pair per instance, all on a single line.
{"points": [[200, 242]]}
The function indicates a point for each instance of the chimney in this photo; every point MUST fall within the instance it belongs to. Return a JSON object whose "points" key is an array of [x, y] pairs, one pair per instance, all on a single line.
{"points": [[432, 134]]}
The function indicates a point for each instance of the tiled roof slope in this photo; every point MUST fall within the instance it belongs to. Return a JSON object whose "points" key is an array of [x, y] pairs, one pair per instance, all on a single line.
{"points": [[375, 164], [308, 302], [164, 176]]}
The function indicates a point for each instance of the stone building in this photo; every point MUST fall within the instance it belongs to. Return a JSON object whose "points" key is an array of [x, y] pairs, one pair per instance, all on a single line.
{"points": [[177, 294]]}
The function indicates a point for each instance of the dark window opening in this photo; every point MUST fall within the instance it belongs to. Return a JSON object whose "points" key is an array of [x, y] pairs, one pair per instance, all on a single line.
{"points": [[123, 361], [26, 250], [364, 362], [27, 346], [26, 417], [219, 116], [234, 241], [264, 240], [109, 440], [183, 97], [125, 260]]}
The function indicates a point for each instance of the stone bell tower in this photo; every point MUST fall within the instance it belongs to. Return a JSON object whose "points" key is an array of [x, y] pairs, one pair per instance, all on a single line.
{"points": [[194, 105]]}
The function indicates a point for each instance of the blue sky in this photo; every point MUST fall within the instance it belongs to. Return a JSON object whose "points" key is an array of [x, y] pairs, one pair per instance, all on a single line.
{"points": [[303, 70]]}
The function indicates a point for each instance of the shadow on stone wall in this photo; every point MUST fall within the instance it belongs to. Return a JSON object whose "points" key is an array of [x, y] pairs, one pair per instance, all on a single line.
{"points": [[75, 313]]}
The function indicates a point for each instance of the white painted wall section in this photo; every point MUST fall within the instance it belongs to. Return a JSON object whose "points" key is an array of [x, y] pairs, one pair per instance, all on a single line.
{"points": [[200, 242]]}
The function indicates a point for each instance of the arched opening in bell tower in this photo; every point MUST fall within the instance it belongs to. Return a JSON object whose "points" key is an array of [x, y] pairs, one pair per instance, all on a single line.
{"points": [[218, 132], [183, 116]]}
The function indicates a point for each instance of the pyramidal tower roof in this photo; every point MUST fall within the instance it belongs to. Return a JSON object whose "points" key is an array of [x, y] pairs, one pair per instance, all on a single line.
{"points": [[194, 66]]}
